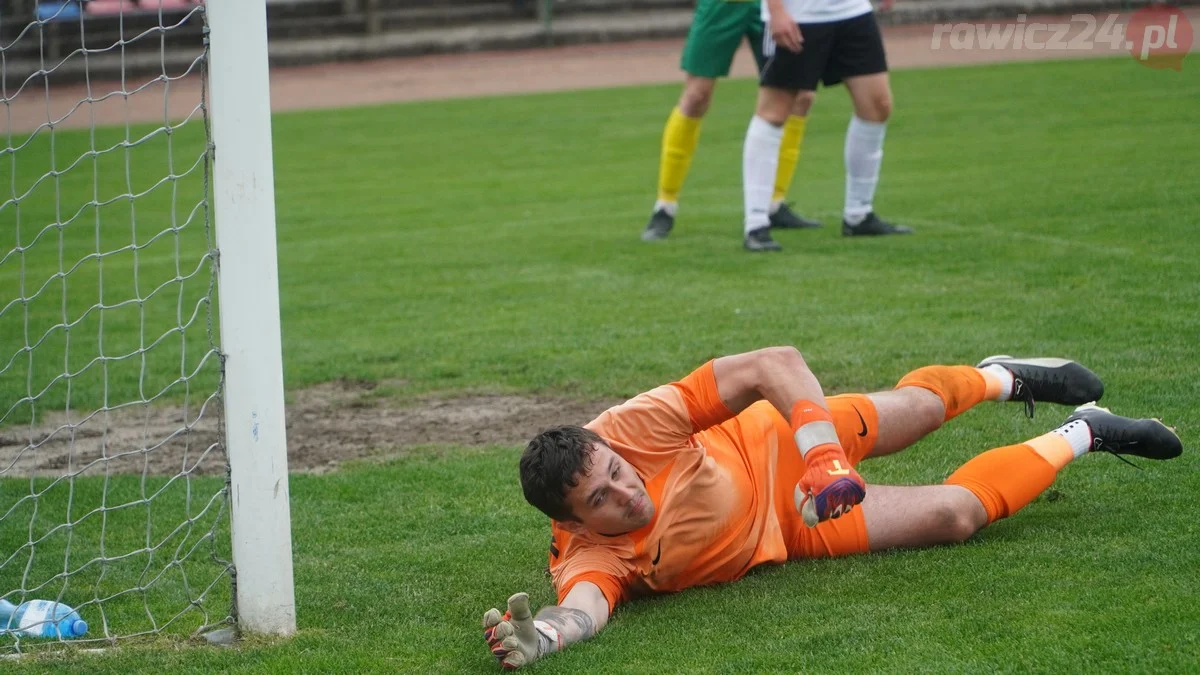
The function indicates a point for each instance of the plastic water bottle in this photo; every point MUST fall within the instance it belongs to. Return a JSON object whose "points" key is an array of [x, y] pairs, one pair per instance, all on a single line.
{"points": [[41, 619]]}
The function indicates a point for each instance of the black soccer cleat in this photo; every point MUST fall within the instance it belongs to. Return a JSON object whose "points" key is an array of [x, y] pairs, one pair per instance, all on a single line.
{"points": [[1118, 435], [785, 218], [659, 226], [760, 240], [1049, 380], [873, 226]]}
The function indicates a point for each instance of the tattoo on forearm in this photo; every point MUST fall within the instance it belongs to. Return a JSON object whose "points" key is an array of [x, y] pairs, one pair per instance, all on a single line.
{"points": [[572, 624]]}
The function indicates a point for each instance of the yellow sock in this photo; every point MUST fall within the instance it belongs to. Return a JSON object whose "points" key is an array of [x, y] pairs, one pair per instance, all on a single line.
{"points": [[789, 155], [678, 146]]}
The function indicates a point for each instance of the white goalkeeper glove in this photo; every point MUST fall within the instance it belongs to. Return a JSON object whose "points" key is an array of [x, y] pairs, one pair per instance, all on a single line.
{"points": [[515, 638]]}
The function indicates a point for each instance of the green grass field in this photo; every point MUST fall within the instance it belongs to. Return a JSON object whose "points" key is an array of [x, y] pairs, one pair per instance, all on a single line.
{"points": [[493, 246]]}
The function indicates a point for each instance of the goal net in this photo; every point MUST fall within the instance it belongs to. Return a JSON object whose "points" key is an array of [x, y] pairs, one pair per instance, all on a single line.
{"points": [[114, 475]]}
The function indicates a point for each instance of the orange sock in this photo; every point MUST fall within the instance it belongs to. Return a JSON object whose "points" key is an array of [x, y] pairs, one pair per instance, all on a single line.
{"points": [[959, 387], [1006, 479]]}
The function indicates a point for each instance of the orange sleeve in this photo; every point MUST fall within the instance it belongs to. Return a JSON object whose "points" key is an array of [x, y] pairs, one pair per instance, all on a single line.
{"points": [[704, 405], [615, 592], [579, 560]]}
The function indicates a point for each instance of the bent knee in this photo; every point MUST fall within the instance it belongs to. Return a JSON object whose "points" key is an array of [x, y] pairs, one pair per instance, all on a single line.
{"points": [[784, 356]]}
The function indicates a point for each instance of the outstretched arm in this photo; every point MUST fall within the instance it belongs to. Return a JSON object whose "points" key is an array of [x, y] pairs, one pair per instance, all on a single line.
{"points": [[517, 638]]}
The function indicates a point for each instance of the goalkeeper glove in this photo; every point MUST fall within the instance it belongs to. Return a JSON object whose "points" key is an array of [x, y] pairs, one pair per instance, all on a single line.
{"points": [[516, 638], [829, 487]]}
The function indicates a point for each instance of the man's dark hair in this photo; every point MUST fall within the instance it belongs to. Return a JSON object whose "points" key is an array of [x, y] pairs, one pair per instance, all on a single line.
{"points": [[551, 465]]}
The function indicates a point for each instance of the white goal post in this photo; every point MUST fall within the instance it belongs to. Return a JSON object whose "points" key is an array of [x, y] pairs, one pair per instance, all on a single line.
{"points": [[143, 448], [244, 203]]}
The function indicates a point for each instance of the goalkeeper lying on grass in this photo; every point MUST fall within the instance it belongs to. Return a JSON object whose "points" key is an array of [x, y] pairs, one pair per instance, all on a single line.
{"points": [[746, 462]]}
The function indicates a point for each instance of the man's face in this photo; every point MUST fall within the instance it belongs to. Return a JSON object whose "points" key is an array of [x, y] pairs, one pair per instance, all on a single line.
{"points": [[610, 497]]}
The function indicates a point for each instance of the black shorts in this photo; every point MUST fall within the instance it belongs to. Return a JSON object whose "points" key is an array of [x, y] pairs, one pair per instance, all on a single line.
{"points": [[832, 52]]}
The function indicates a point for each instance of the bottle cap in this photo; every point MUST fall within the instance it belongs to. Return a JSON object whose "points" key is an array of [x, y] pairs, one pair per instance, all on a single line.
{"points": [[79, 627]]}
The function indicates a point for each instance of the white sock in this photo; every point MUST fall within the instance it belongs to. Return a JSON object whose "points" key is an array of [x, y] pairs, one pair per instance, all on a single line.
{"points": [[775, 204], [1078, 434], [1006, 380], [864, 154], [760, 160], [669, 207]]}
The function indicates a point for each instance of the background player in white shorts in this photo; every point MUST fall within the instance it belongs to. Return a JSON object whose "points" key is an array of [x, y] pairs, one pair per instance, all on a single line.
{"points": [[811, 41]]}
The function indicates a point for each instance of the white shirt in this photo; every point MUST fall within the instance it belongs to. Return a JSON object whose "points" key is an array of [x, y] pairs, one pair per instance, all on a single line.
{"points": [[820, 11]]}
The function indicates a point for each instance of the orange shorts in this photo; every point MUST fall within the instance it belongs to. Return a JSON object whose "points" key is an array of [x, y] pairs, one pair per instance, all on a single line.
{"points": [[856, 421]]}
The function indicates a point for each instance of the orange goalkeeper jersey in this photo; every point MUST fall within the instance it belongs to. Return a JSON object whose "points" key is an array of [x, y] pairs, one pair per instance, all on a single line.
{"points": [[722, 487]]}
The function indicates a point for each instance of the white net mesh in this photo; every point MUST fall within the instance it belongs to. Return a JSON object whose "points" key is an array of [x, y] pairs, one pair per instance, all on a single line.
{"points": [[112, 469]]}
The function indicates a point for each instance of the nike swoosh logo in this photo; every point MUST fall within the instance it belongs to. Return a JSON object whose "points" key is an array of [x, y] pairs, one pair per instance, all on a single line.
{"points": [[864, 422], [657, 555]]}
